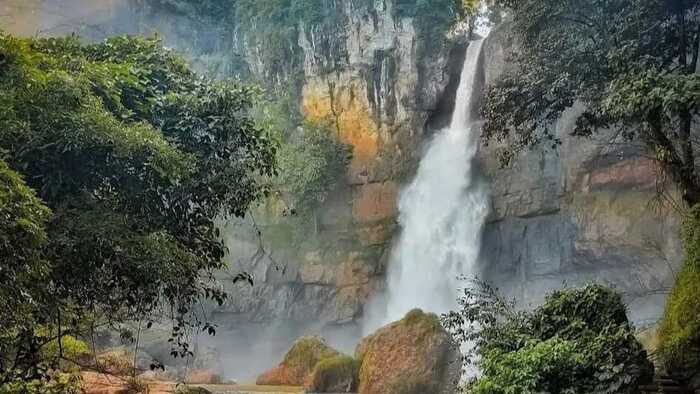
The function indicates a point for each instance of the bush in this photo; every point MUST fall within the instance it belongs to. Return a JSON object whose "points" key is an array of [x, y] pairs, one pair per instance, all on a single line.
{"points": [[71, 349], [52, 383], [679, 333], [579, 341], [311, 163], [549, 366]]}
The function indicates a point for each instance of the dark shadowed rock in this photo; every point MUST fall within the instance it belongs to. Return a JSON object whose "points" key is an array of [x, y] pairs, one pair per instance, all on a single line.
{"points": [[334, 375]]}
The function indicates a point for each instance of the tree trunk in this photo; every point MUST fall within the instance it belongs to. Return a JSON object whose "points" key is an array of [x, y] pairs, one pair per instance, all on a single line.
{"points": [[679, 165], [691, 190]]}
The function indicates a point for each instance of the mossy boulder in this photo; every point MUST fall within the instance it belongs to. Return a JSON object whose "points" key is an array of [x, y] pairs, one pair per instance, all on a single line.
{"points": [[679, 332], [334, 375], [298, 363], [411, 356]]}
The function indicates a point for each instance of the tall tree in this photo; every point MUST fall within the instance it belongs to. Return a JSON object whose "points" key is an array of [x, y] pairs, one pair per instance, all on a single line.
{"points": [[136, 157], [632, 63]]}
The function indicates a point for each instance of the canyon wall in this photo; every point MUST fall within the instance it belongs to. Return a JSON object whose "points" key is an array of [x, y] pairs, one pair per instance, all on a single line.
{"points": [[589, 211], [370, 69], [586, 212]]}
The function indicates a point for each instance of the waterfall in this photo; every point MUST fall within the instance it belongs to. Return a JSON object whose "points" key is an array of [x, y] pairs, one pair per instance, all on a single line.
{"points": [[441, 215]]}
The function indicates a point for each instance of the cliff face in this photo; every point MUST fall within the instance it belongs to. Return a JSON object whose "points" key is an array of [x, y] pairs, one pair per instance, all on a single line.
{"points": [[587, 212], [583, 213], [371, 76]]}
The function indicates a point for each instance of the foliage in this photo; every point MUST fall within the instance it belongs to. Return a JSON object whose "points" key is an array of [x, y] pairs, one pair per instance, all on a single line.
{"points": [[53, 383], [69, 347], [22, 233], [136, 157], [578, 341], [549, 366], [679, 334], [631, 63], [311, 164]]}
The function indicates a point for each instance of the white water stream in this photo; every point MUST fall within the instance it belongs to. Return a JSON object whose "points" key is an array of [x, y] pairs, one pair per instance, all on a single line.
{"points": [[441, 214]]}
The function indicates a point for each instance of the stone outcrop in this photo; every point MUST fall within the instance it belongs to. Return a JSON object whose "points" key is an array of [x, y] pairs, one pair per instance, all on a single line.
{"points": [[298, 363], [414, 355], [588, 211], [337, 374]]}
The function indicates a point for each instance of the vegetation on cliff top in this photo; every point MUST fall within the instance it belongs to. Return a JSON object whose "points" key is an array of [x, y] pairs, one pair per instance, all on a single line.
{"points": [[578, 341], [632, 63], [115, 161]]}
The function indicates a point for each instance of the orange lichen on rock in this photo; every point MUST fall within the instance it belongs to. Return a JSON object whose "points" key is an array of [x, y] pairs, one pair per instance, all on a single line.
{"points": [[375, 202], [345, 108]]}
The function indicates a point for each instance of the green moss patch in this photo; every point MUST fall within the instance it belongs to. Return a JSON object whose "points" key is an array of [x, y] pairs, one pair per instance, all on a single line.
{"points": [[679, 334], [338, 374]]}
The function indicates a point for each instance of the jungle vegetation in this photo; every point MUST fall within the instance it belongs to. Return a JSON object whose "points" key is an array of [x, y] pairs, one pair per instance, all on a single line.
{"points": [[115, 162]]}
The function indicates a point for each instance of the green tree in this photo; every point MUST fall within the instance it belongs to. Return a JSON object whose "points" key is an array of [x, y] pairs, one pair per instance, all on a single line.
{"points": [[136, 157], [632, 63], [312, 162], [578, 341]]}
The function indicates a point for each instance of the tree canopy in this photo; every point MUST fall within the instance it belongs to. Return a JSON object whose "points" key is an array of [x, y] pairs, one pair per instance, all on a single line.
{"points": [[631, 63], [578, 341], [116, 162]]}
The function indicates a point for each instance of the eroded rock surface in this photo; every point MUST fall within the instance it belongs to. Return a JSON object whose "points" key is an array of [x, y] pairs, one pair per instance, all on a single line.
{"points": [[586, 212]]}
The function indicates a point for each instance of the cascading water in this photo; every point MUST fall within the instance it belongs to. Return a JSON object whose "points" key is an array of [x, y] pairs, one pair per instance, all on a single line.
{"points": [[441, 214]]}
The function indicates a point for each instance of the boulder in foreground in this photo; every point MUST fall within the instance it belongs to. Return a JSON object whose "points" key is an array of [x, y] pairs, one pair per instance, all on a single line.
{"points": [[298, 363], [414, 355], [334, 375]]}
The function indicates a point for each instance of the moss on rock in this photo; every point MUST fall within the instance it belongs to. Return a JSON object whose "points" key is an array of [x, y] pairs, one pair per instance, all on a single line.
{"points": [[679, 333], [334, 375], [412, 355], [298, 363]]}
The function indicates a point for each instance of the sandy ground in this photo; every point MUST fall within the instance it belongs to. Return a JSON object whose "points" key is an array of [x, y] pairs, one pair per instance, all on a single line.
{"points": [[97, 383]]}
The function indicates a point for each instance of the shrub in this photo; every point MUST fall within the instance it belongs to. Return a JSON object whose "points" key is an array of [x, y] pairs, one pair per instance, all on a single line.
{"points": [[52, 383], [311, 163], [550, 366], [72, 349], [579, 341]]}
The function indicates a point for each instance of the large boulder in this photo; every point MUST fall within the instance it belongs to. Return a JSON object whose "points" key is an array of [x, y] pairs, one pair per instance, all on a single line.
{"points": [[414, 355], [298, 363], [334, 375]]}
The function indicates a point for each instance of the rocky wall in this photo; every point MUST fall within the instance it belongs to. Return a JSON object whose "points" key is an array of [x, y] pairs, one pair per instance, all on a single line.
{"points": [[589, 211]]}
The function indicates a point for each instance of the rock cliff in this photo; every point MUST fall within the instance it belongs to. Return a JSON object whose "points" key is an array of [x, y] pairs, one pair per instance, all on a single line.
{"points": [[589, 211], [583, 213]]}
